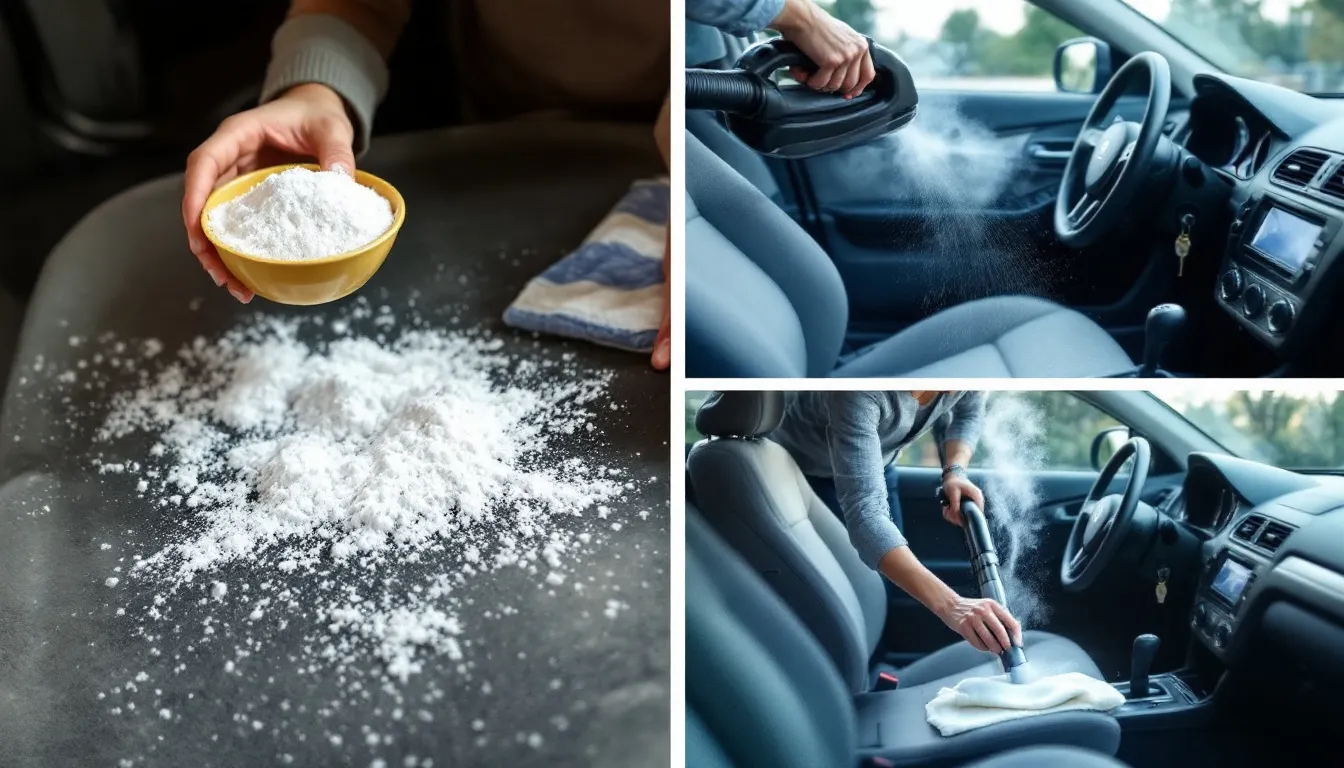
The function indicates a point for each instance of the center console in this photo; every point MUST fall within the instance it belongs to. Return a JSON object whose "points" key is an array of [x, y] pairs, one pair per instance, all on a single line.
{"points": [[1277, 248], [1223, 588]]}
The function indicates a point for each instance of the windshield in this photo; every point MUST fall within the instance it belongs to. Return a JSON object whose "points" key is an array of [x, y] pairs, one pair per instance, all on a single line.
{"points": [[1296, 430], [1297, 44]]}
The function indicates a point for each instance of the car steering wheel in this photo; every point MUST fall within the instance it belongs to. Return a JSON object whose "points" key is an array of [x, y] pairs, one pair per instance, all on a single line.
{"points": [[1109, 163], [1103, 522]]}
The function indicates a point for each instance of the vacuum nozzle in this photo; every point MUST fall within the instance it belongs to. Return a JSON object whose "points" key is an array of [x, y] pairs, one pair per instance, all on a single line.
{"points": [[985, 568]]}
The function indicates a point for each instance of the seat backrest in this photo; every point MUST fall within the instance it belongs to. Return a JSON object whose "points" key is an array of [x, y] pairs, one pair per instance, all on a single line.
{"points": [[706, 127], [762, 298], [753, 494], [759, 690]]}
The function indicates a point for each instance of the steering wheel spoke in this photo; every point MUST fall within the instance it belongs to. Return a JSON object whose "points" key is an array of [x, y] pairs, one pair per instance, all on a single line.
{"points": [[1104, 521], [1083, 210], [1102, 155]]}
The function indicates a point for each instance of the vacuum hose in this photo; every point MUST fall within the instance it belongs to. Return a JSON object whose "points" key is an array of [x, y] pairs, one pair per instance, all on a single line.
{"points": [[985, 568], [731, 90], [792, 120]]}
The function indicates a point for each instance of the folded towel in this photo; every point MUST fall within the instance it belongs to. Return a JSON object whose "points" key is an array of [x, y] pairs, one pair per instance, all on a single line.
{"points": [[610, 290], [980, 701]]}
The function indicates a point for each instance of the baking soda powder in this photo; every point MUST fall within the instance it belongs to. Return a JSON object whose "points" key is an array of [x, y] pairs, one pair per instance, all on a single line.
{"points": [[299, 214]]}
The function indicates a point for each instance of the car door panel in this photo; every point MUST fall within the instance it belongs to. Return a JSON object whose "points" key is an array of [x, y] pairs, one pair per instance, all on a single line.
{"points": [[917, 223], [913, 631]]}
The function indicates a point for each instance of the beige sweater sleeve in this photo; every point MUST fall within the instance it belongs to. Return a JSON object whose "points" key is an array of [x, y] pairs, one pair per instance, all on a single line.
{"points": [[343, 44]]}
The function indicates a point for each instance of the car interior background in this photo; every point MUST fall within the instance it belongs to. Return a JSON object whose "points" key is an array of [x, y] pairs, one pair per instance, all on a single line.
{"points": [[961, 204], [1238, 497], [97, 96]]}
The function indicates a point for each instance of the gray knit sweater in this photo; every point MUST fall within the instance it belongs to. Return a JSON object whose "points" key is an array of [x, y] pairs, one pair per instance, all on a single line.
{"points": [[851, 437]]}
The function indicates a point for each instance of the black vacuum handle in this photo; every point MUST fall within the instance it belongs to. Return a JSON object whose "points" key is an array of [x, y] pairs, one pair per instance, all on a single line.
{"points": [[749, 91]]}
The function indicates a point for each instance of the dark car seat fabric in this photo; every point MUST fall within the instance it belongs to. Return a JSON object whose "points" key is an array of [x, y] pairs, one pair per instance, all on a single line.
{"points": [[761, 692], [764, 300], [761, 689]]}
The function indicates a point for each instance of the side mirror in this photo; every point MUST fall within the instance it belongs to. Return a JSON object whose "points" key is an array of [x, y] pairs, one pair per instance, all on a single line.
{"points": [[1082, 65], [1106, 443]]}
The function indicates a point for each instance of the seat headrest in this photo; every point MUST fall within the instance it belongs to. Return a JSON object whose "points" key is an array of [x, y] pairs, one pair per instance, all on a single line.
{"points": [[740, 414], [704, 45]]}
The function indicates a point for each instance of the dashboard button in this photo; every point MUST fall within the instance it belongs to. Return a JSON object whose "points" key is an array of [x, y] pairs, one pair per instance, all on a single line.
{"points": [[1255, 301], [1201, 616], [1222, 634], [1281, 316], [1231, 284]]}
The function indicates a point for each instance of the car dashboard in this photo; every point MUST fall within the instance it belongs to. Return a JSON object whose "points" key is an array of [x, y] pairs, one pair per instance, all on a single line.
{"points": [[1282, 155], [1274, 548]]}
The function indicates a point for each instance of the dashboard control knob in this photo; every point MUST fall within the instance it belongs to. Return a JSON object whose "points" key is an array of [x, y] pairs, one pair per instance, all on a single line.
{"points": [[1231, 284], [1201, 616], [1281, 316], [1222, 634], [1254, 302]]}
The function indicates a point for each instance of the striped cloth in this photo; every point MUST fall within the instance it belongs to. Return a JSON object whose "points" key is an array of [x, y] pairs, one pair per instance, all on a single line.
{"points": [[610, 290]]}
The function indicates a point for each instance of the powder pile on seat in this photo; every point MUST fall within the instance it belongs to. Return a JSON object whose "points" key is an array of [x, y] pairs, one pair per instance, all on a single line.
{"points": [[355, 458], [299, 214]]}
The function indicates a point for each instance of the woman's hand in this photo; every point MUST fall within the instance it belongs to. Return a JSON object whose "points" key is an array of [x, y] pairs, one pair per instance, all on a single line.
{"points": [[308, 121], [985, 624], [844, 64], [956, 487], [662, 343]]}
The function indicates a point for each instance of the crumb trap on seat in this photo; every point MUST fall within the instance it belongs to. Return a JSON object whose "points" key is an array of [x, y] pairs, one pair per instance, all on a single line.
{"points": [[980, 701]]}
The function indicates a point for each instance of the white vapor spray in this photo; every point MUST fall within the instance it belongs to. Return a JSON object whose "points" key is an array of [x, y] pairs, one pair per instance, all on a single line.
{"points": [[1012, 449], [953, 175]]}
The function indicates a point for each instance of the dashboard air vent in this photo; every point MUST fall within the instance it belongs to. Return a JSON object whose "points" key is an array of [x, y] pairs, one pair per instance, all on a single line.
{"points": [[1300, 167], [1334, 185], [1248, 528], [1273, 536]]}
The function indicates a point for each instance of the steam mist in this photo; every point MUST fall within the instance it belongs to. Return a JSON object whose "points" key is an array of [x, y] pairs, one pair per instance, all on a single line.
{"points": [[952, 172], [1013, 448]]}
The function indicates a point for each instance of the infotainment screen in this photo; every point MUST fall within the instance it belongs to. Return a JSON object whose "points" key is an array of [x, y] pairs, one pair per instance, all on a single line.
{"points": [[1231, 580], [1285, 238]]}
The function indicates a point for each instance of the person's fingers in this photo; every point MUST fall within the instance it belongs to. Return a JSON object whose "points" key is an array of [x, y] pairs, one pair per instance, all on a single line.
{"points": [[799, 74], [851, 80], [662, 343], [333, 145], [953, 494], [976, 495], [1010, 622], [984, 634], [992, 620], [867, 73], [239, 291], [837, 81], [820, 80]]}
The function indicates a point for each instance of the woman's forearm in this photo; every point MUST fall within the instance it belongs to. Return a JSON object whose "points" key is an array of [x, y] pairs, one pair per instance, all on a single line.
{"points": [[957, 452], [905, 571]]}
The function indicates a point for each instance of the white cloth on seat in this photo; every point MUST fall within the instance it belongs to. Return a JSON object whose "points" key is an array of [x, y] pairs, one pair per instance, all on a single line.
{"points": [[980, 701]]}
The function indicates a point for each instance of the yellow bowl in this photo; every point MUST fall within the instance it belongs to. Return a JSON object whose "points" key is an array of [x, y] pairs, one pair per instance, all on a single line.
{"points": [[313, 281]]}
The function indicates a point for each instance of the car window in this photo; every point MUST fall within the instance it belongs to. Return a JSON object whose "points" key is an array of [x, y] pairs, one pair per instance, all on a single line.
{"points": [[1299, 429], [1059, 423], [1292, 43], [1002, 45]]}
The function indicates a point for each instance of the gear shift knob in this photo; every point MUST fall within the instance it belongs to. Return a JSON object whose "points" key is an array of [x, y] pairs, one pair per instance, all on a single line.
{"points": [[1141, 662], [1163, 325]]}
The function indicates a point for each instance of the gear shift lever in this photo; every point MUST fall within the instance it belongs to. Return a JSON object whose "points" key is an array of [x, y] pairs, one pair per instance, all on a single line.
{"points": [[1141, 661], [1164, 324]]}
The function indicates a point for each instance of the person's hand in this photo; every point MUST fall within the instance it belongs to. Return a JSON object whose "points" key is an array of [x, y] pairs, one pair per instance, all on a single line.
{"points": [[985, 624], [307, 121], [844, 64], [662, 343], [956, 487]]}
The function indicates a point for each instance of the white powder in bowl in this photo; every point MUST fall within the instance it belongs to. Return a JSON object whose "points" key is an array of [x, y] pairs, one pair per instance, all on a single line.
{"points": [[300, 214]]}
